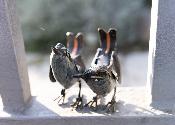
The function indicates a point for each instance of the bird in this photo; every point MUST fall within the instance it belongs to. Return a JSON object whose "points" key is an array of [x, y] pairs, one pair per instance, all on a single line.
{"points": [[65, 62], [104, 73]]}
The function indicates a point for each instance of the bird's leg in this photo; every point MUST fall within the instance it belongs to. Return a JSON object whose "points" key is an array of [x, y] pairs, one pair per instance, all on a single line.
{"points": [[111, 106], [79, 101], [90, 103], [62, 97]]}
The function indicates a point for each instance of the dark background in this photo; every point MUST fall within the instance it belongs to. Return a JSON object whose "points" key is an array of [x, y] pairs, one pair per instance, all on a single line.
{"points": [[45, 22]]}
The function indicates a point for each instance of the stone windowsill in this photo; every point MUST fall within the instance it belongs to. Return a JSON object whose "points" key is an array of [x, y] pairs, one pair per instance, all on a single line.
{"points": [[133, 108], [132, 101]]}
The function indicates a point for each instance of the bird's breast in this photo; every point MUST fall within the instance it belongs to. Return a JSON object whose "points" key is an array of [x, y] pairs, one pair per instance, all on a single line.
{"points": [[101, 86], [63, 70]]}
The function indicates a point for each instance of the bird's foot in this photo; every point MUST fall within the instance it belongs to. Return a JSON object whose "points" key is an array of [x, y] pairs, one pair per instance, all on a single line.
{"points": [[78, 104], [90, 103], [111, 106], [59, 98], [62, 97]]}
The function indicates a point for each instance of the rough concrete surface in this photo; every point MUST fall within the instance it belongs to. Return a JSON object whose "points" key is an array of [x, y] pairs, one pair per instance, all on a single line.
{"points": [[133, 108], [162, 56], [14, 82]]}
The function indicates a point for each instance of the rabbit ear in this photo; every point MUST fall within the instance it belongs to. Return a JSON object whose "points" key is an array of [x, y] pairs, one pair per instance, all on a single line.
{"points": [[102, 34], [70, 40], [111, 39]]}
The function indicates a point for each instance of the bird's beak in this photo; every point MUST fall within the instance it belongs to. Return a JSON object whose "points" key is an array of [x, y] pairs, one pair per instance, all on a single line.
{"points": [[78, 76]]}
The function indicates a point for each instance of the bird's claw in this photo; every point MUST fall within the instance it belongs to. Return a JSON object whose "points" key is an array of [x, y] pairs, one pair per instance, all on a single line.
{"points": [[111, 106], [62, 97], [78, 104], [90, 104]]}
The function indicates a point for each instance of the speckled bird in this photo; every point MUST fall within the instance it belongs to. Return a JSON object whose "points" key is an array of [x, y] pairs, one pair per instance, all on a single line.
{"points": [[104, 75], [64, 64]]}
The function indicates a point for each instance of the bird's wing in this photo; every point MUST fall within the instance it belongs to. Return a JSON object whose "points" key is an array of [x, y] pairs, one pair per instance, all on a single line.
{"points": [[95, 59], [79, 63], [117, 67], [51, 76]]}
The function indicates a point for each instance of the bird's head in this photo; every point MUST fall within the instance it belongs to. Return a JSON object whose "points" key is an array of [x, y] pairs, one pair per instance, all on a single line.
{"points": [[60, 50]]}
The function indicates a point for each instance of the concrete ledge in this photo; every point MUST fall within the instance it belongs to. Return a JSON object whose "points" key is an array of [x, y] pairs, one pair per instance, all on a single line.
{"points": [[89, 120], [133, 109]]}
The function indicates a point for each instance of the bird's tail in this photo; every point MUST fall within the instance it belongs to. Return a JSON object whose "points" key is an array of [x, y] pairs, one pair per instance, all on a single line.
{"points": [[74, 43], [108, 39]]}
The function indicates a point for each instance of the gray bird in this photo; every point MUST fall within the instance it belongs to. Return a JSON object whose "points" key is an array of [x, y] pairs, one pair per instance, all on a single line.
{"points": [[104, 73], [63, 66]]}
